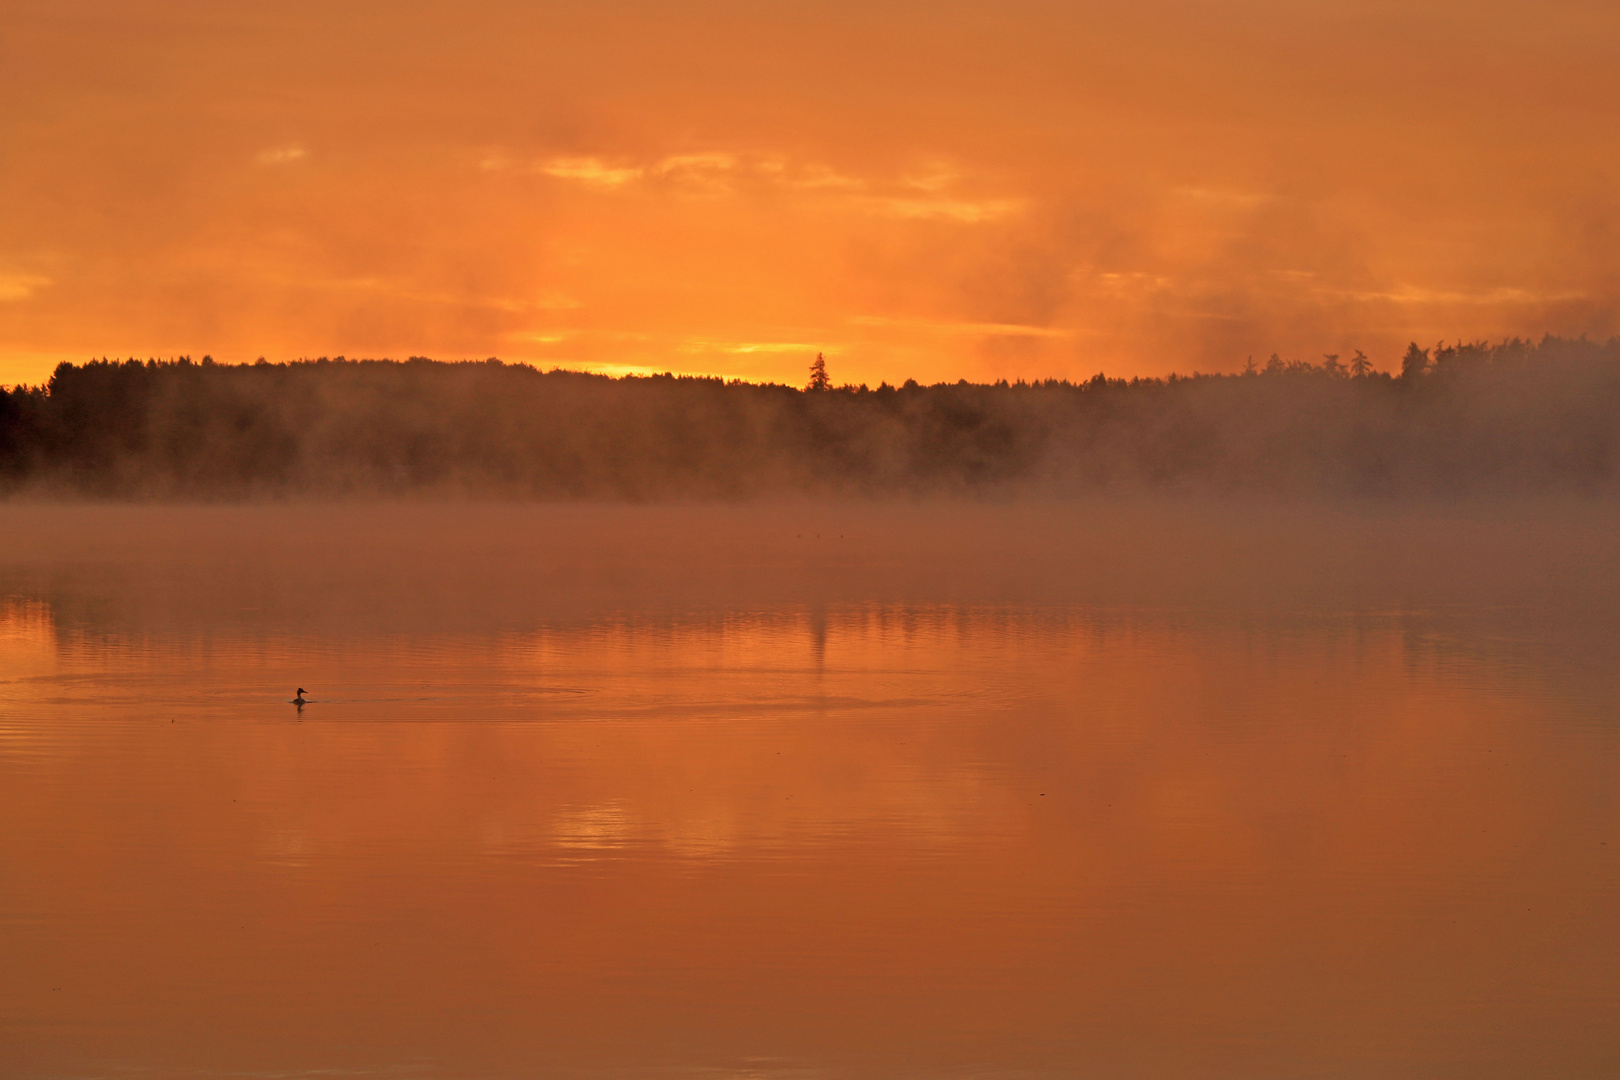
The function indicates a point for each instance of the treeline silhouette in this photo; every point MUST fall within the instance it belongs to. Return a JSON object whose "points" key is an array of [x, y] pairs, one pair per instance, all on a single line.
{"points": [[1465, 419]]}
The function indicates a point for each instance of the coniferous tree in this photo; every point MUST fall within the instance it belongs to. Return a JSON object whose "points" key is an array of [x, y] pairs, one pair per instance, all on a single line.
{"points": [[1414, 363], [818, 375]]}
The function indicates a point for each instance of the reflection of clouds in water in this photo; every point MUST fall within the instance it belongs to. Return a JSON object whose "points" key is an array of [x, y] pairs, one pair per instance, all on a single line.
{"points": [[603, 826], [287, 847], [581, 830], [898, 639], [740, 811], [26, 623], [28, 654], [758, 1069]]}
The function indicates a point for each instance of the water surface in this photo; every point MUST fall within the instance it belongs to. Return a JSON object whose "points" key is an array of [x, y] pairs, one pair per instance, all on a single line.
{"points": [[809, 792]]}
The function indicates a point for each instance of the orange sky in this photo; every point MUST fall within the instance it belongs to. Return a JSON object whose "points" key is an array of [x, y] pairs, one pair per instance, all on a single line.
{"points": [[937, 190]]}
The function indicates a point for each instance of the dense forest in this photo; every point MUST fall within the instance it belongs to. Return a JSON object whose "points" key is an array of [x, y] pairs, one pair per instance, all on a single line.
{"points": [[1459, 419]]}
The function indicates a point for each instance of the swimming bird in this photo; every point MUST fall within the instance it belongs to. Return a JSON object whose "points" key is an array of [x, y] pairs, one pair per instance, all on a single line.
{"points": [[299, 700]]}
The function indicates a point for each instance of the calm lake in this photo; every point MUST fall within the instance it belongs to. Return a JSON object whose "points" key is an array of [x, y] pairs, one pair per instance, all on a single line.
{"points": [[1163, 791]]}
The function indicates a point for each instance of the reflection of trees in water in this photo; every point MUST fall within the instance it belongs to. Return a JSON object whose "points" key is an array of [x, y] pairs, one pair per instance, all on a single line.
{"points": [[1463, 418]]}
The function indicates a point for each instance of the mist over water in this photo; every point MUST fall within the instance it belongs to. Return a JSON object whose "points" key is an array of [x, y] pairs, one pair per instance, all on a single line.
{"points": [[1124, 788]]}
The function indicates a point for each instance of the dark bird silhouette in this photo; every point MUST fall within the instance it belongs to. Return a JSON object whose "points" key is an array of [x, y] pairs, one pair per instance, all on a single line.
{"points": [[299, 700]]}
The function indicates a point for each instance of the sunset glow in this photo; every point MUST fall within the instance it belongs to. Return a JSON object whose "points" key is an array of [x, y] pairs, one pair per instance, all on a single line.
{"points": [[934, 191]]}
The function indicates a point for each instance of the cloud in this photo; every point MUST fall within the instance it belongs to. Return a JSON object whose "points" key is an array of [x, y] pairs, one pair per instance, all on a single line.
{"points": [[540, 337], [971, 329], [925, 196], [282, 155], [820, 176], [20, 286], [746, 347], [1223, 197], [695, 163], [589, 170], [403, 289], [936, 179], [1502, 295], [967, 211]]}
